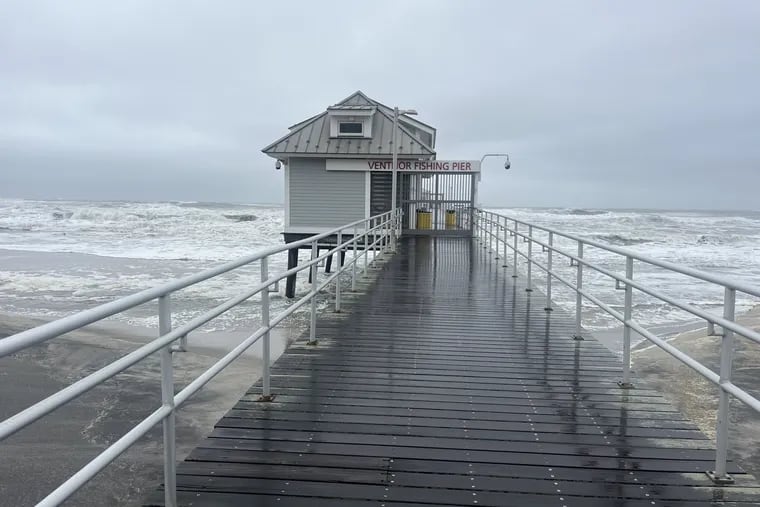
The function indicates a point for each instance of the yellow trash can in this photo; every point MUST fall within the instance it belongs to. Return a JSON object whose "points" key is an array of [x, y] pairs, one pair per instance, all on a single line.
{"points": [[424, 219], [451, 218]]}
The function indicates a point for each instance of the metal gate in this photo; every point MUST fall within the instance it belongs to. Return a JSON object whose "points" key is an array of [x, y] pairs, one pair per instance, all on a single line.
{"points": [[436, 202]]}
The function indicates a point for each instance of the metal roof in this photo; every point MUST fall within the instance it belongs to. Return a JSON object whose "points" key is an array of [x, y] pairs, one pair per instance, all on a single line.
{"points": [[312, 136]]}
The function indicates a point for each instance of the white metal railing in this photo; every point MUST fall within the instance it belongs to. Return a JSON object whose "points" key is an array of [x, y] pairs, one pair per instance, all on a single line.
{"points": [[377, 234], [495, 231]]}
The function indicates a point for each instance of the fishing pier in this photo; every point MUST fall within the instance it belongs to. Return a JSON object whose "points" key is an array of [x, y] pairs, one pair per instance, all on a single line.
{"points": [[435, 368]]}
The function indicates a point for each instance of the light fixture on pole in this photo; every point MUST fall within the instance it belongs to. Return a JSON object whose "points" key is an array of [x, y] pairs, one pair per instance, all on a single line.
{"points": [[396, 113], [507, 165]]}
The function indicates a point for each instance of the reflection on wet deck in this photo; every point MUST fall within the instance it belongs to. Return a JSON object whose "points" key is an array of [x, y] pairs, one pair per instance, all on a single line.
{"points": [[448, 384]]}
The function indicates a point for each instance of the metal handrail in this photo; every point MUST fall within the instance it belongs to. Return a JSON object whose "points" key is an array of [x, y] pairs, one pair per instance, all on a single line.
{"points": [[495, 229], [378, 233]]}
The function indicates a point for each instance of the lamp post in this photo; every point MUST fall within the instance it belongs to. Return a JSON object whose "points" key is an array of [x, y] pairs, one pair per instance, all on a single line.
{"points": [[396, 113]]}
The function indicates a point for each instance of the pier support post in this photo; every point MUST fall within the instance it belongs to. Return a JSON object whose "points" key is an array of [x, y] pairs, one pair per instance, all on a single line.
{"points": [[290, 284], [313, 273], [719, 475], [328, 263]]}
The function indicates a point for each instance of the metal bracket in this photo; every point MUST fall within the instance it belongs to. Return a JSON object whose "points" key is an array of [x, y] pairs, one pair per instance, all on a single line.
{"points": [[619, 286], [573, 262], [266, 399], [578, 338], [625, 385], [526, 240], [511, 233], [544, 249], [720, 480], [312, 343]]}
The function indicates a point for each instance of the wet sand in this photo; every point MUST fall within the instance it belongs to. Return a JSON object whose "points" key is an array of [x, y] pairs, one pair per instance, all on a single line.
{"points": [[697, 398], [42, 456]]}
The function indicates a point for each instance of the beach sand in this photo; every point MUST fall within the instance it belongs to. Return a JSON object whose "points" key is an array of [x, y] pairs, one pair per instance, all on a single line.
{"points": [[42, 456], [697, 398], [39, 458]]}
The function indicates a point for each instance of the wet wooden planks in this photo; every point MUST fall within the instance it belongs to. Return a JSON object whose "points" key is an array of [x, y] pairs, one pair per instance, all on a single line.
{"points": [[448, 384]]}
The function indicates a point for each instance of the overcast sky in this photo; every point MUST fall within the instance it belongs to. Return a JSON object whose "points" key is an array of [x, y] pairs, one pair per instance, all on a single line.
{"points": [[600, 104]]}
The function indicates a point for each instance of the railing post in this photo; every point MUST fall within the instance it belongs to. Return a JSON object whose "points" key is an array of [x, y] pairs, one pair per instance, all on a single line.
{"points": [[578, 297], [340, 271], [167, 399], [514, 253], [719, 475], [389, 229], [355, 260], [529, 288], [383, 229], [627, 314], [266, 394], [368, 226], [399, 223], [496, 226], [549, 256], [313, 320], [394, 240], [506, 236], [490, 232]]}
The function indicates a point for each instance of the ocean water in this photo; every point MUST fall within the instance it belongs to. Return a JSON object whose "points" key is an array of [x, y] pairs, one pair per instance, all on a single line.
{"points": [[720, 242], [58, 257]]}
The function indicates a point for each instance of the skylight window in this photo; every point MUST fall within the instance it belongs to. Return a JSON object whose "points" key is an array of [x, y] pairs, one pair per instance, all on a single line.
{"points": [[351, 128]]}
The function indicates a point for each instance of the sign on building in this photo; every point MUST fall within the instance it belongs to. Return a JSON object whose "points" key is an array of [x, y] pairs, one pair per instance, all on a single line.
{"points": [[407, 166]]}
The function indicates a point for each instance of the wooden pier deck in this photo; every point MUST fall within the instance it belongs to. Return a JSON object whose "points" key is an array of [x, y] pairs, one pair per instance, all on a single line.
{"points": [[448, 384]]}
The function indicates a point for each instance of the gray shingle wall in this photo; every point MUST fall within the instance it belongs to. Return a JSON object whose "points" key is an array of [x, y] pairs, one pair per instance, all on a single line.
{"points": [[321, 198]]}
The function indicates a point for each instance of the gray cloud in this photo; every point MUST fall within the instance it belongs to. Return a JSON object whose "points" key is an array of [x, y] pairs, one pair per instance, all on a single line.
{"points": [[646, 104]]}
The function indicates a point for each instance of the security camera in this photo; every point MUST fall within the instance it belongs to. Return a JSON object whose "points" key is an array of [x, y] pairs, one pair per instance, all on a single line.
{"points": [[507, 164], [278, 165]]}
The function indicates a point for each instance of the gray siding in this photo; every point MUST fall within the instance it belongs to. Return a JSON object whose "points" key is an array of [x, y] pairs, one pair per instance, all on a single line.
{"points": [[322, 198]]}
